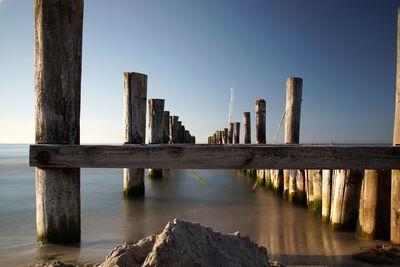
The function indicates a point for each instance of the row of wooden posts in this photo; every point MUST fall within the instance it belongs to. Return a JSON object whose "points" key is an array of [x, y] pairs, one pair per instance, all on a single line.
{"points": [[161, 129], [343, 198], [58, 61]]}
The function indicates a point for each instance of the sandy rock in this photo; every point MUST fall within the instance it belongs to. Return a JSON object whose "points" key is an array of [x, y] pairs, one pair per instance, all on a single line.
{"points": [[183, 243]]}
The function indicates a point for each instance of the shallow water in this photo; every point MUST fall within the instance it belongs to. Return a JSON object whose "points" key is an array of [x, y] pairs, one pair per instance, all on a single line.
{"points": [[227, 204]]}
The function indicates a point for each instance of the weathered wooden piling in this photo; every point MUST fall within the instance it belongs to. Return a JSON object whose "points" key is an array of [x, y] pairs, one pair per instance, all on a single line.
{"points": [[300, 192], [135, 96], [292, 130], [156, 128], [173, 129], [58, 61], [345, 199], [230, 132], [166, 136], [374, 215], [260, 121], [326, 194], [309, 190], [226, 135], [395, 193], [317, 190], [236, 133], [246, 127]]}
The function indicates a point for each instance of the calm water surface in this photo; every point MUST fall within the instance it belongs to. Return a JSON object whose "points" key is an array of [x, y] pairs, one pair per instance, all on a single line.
{"points": [[227, 204]]}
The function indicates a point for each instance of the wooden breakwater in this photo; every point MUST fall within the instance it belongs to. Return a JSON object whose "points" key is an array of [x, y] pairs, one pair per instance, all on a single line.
{"points": [[58, 156]]}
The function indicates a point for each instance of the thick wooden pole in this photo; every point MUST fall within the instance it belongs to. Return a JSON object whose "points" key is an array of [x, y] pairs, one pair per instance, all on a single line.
{"points": [[292, 130], [317, 190], [260, 121], [230, 132], [326, 194], [345, 199], [374, 215], [174, 129], [293, 110], [246, 127], [395, 195], [236, 133], [135, 96], [225, 135], [58, 61], [156, 128], [166, 136]]}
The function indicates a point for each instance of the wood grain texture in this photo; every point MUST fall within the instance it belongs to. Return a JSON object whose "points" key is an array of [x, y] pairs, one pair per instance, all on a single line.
{"points": [[230, 132], [58, 64], [155, 123], [166, 136], [246, 127], [236, 133], [293, 110], [260, 121], [374, 214], [395, 194], [135, 96], [326, 194], [216, 156]]}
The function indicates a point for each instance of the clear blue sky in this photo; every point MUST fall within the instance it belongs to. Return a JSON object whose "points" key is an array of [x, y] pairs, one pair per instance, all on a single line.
{"points": [[193, 51]]}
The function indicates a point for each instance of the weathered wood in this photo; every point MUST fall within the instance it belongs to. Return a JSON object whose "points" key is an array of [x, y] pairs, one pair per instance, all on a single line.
{"points": [[58, 61], [174, 129], [186, 137], [395, 194], [317, 190], [135, 96], [374, 215], [156, 128], [345, 199], [292, 129], [293, 110], [300, 188], [226, 135], [230, 132], [247, 127], [309, 190], [326, 194], [260, 121], [277, 180], [218, 157], [166, 136], [236, 133]]}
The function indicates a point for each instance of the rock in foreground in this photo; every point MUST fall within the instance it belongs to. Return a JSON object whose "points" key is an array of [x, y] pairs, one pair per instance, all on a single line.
{"points": [[183, 243]]}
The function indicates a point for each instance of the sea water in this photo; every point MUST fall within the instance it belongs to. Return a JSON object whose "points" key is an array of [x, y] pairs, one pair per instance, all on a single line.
{"points": [[226, 203]]}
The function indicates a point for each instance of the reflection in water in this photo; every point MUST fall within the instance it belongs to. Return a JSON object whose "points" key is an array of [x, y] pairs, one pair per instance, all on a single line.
{"points": [[227, 204]]}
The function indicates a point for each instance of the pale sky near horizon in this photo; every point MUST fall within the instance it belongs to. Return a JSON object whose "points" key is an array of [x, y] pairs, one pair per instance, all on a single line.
{"points": [[194, 51]]}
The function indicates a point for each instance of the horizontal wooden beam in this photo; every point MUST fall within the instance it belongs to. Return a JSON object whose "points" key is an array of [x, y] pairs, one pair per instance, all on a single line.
{"points": [[215, 156]]}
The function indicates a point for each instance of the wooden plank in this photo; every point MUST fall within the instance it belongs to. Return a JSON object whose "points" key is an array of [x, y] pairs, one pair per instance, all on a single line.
{"points": [[188, 156]]}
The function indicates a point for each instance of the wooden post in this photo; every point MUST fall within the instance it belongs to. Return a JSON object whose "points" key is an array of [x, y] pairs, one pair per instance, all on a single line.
{"points": [[292, 130], [230, 132], [236, 133], [182, 134], [317, 190], [135, 96], [247, 127], [326, 194], [395, 195], [58, 61], [173, 132], [260, 121], [226, 135], [309, 190], [300, 187], [374, 215], [345, 199], [166, 136], [156, 128]]}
